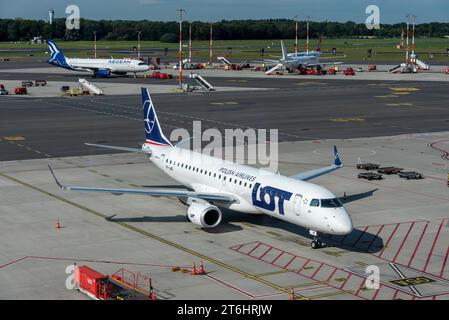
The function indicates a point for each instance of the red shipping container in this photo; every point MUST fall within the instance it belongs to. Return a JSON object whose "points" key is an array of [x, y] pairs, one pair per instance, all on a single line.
{"points": [[89, 278]]}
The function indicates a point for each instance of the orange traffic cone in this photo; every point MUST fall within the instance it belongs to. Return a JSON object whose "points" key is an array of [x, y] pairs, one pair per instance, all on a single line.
{"points": [[58, 226], [201, 268], [193, 273], [292, 295]]}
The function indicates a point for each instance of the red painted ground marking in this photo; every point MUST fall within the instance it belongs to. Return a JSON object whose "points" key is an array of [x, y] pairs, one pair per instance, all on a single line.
{"points": [[269, 248], [445, 153], [363, 233], [403, 241], [280, 254], [360, 287], [332, 274], [375, 237], [291, 260], [317, 270], [444, 263], [344, 282], [417, 245], [433, 245], [388, 241], [92, 260], [376, 293], [14, 261], [238, 247], [395, 294], [230, 286], [257, 246], [303, 266]]}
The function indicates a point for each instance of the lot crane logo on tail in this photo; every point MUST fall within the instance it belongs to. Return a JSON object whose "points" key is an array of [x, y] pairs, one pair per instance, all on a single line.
{"points": [[153, 132]]}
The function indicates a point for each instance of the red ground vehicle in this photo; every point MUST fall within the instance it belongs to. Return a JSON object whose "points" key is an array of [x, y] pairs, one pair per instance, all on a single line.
{"points": [[161, 75], [20, 90], [446, 71], [349, 72], [331, 71]]}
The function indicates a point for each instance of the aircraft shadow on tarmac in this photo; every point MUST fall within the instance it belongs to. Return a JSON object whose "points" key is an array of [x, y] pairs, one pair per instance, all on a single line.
{"points": [[224, 226], [357, 241]]}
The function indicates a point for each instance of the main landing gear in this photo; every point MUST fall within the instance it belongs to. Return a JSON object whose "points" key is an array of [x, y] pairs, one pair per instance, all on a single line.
{"points": [[316, 242]]}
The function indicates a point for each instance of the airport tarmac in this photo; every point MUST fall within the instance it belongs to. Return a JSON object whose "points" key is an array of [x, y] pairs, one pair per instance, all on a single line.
{"points": [[400, 226], [33, 127]]}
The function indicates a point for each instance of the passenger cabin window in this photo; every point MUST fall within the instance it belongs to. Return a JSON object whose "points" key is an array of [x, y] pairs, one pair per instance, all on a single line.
{"points": [[315, 203], [331, 203]]}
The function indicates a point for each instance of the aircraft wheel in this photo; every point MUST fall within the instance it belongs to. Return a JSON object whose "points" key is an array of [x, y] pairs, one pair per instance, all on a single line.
{"points": [[316, 244]]}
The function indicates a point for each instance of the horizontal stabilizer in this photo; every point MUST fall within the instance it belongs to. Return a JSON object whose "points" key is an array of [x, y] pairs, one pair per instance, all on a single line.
{"points": [[135, 150]]}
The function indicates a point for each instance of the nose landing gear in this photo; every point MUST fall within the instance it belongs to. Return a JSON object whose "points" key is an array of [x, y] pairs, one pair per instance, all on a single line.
{"points": [[316, 242]]}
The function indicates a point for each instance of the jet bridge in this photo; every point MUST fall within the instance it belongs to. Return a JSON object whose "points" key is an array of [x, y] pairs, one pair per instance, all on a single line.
{"points": [[201, 81]]}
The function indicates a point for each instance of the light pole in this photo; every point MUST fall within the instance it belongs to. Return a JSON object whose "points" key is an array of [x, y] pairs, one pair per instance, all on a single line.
{"points": [[296, 35], [308, 28], [190, 42], [180, 47], [413, 40], [210, 45], [406, 41], [95, 44], [138, 43]]}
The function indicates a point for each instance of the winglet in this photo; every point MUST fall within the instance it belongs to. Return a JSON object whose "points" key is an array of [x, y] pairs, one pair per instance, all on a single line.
{"points": [[56, 179], [337, 158]]}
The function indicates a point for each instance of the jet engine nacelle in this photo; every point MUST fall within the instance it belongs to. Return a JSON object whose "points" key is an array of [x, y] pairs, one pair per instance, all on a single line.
{"points": [[103, 73], [204, 214]]}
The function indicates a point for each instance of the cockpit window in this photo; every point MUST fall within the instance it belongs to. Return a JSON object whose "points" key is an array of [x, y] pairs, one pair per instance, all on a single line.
{"points": [[315, 203], [141, 63], [331, 203]]}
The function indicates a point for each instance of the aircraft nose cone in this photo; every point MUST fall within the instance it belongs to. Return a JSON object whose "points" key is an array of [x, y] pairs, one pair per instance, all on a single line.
{"points": [[342, 223]]}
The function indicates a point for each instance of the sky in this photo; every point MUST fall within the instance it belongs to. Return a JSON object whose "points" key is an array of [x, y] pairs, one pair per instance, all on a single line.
{"points": [[391, 11]]}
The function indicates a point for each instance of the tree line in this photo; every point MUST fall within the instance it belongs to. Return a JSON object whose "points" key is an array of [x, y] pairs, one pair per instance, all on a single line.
{"points": [[23, 30]]}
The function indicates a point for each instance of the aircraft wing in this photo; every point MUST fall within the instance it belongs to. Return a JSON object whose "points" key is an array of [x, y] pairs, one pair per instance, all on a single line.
{"points": [[308, 175], [155, 192], [265, 61]]}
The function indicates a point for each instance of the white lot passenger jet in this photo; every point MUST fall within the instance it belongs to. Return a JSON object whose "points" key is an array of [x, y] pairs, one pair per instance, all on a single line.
{"points": [[214, 183], [98, 67]]}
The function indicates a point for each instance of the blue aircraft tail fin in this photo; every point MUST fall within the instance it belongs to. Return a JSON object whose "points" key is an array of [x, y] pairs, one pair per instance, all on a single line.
{"points": [[57, 57], [153, 131]]}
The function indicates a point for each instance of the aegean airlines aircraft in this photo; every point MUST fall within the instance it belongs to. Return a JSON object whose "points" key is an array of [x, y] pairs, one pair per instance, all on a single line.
{"points": [[98, 67], [212, 184]]}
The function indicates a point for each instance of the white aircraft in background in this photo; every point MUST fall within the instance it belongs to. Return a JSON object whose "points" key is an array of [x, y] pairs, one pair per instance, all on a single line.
{"points": [[214, 183], [98, 67], [291, 61]]}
